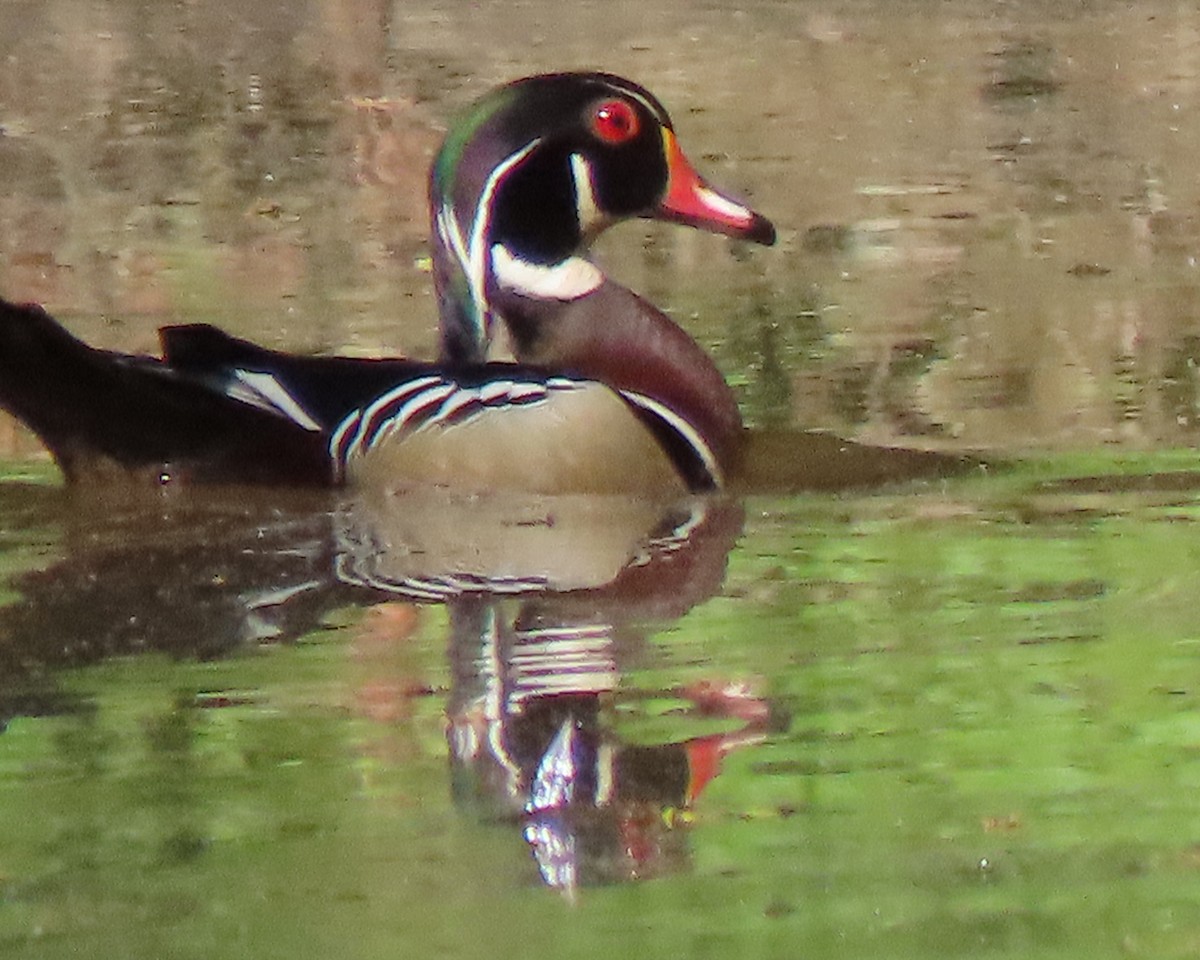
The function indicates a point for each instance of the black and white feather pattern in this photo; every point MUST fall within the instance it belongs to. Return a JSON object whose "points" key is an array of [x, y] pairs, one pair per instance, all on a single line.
{"points": [[432, 402], [430, 399]]}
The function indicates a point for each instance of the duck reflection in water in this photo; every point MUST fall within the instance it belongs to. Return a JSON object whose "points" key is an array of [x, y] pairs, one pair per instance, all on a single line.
{"points": [[593, 809], [536, 654], [549, 602]]}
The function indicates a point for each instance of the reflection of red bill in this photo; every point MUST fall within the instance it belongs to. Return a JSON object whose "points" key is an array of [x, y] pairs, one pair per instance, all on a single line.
{"points": [[691, 201]]}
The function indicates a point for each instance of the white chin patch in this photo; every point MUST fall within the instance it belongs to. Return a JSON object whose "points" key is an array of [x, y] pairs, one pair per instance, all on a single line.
{"points": [[569, 279]]}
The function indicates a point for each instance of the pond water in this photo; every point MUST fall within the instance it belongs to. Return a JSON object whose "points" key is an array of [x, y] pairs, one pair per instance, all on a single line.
{"points": [[940, 718]]}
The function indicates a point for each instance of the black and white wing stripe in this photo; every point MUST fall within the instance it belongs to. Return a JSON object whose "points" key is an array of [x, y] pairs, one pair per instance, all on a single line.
{"points": [[436, 399], [431, 402], [262, 389]]}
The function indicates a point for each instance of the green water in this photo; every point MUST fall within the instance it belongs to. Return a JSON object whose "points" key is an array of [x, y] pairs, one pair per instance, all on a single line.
{"points": [[985, 742], [977, 728]]}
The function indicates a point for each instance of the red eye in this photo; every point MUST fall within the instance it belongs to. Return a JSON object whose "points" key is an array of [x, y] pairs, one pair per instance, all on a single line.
{"points": [[615, 121]]}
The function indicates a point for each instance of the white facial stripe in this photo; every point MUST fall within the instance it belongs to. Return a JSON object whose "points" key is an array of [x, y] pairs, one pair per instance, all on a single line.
{"points": [[483, 213], [684, 429], [471, 252], [570, 279], [586, 208], [653, 110]]}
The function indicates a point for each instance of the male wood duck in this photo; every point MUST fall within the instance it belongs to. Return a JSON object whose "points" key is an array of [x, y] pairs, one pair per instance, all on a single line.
{"points": [[607, 394]]}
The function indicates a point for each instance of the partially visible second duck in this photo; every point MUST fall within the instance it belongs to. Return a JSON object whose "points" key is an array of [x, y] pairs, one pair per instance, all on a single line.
{"points": [[607, 394]]}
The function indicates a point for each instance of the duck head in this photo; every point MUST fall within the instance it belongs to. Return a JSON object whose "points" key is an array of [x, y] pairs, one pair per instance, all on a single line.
{"points": [[533, 172]]}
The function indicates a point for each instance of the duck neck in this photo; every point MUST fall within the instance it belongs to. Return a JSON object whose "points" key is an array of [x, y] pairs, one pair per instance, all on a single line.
{"points": [[526, 206], [612, 335]]}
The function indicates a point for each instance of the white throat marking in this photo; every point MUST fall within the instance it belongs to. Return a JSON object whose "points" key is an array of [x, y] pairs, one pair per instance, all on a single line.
{"points": [[569, 279]]}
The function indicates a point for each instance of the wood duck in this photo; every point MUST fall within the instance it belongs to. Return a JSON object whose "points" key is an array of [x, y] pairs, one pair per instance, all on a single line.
{"points": [[606, 393]]}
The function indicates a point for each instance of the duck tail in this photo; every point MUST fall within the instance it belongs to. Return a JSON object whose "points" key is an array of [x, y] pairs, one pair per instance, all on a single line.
{"points": [[105, 415]]}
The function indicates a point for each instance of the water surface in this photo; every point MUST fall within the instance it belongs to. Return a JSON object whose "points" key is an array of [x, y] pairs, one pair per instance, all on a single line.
{"points": [[948, 718]]}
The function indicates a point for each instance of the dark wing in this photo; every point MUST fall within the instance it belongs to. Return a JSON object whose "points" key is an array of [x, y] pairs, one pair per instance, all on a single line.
{"points": [[105, 414]]}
